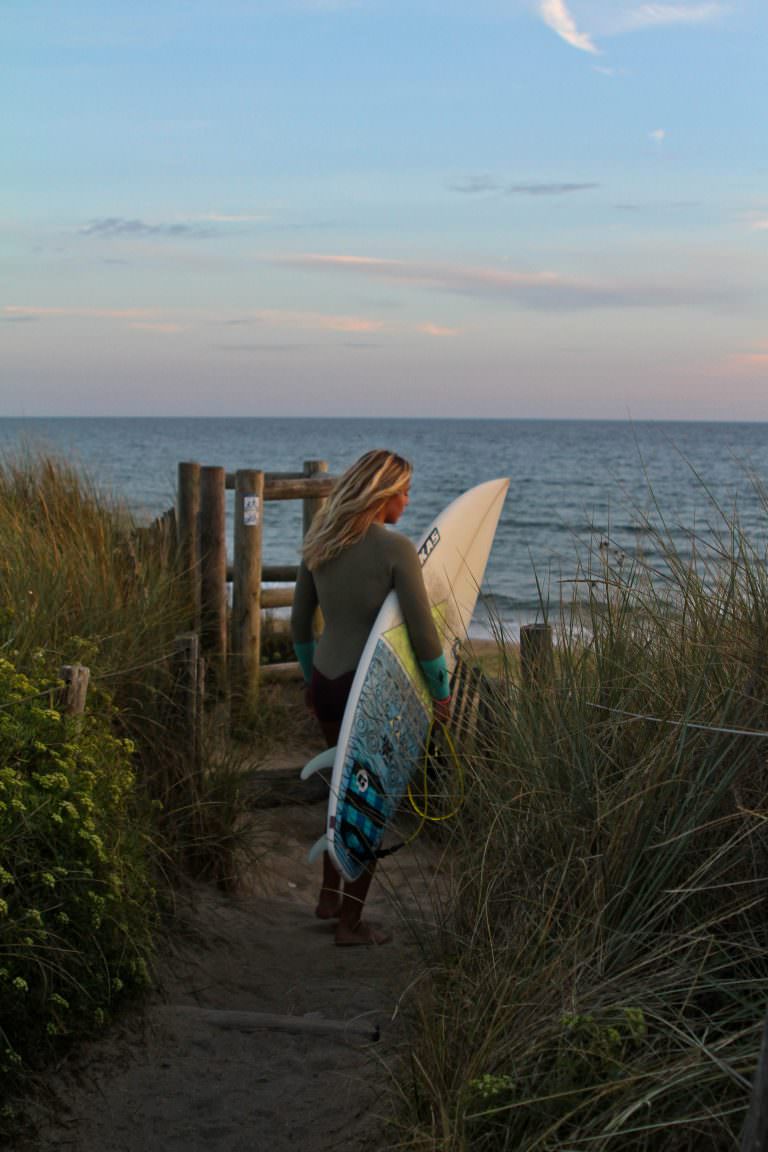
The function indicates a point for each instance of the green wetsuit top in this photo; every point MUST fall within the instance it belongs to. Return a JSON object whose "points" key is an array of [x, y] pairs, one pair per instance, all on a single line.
{"points": [[350, 589]]}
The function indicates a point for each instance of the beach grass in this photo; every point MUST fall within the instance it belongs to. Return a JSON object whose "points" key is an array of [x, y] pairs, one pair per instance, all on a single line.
{"points": [[599, 978], [99, 815]]}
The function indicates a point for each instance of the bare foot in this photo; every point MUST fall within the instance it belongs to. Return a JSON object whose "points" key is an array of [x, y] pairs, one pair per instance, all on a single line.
{"points": [[363, 933], [328, 905]]}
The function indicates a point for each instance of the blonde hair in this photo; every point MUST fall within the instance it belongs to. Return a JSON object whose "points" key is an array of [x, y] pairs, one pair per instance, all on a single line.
{"points": [[354, 503]]}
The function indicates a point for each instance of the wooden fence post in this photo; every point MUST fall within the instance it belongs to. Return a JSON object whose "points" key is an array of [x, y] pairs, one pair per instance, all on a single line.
{"points": [[312, 505], [536, 656], [186, 681], [213, 570], [188, 533], [246, 586], [72, 696]]}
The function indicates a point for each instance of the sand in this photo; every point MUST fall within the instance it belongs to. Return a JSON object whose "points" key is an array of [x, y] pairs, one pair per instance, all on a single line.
{"points": [[168, 1077]]}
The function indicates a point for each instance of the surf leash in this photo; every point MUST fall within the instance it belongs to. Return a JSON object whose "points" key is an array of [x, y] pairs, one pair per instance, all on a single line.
{"points": [[425, 817]]}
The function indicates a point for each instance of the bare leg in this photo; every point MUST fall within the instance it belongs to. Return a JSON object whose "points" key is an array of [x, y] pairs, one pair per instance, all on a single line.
{"points": [[329, 903], [352, 929], [345, 902]]}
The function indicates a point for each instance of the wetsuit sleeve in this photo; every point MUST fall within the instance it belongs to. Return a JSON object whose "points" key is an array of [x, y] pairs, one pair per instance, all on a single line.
{"points": [[302, 614], [414, 602], [436, 676]]}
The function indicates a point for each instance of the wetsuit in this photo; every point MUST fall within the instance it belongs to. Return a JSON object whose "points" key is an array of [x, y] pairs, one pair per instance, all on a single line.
{"points": [[350, 589]]}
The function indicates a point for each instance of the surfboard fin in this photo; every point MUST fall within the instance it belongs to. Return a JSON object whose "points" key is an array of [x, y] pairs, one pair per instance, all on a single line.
{"points": [[317, 849], [324, 760]]}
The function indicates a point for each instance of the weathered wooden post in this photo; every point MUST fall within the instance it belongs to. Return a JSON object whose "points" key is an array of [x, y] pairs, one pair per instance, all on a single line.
{"points": [[71, 698], [188, 533], [213, 570], [246, 586], [312, 505], [186, 686], [536, 655]]}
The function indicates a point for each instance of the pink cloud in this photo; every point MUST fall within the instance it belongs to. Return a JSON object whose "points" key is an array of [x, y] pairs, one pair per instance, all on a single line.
{"points": [[437, 330], [754, 362], [163, 329], [317, 321], [544, 290]]}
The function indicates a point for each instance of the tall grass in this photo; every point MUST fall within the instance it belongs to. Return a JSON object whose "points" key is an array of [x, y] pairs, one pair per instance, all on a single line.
{"points": [[81, 582], [601, 974], [98, 814]]}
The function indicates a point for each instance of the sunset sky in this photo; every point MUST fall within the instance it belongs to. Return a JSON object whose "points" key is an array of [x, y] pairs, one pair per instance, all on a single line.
{"points": [[503, 208]]}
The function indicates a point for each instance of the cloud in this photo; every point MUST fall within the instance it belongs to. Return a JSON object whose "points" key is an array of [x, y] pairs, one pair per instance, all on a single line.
{"points": [[189, 228], [479, 185], [118, 226], [759, 223], [437, 330], [542, 291], [476, 186], [658, 135], [141, 319], [752, 363], [225, 218], [40, 312], [548, 189], [162, 329], [660, 15], [556, 16], [657, 206], [316, 321]]}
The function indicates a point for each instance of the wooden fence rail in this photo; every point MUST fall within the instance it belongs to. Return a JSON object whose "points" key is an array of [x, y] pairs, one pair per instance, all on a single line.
{"points": [[231, 641]]}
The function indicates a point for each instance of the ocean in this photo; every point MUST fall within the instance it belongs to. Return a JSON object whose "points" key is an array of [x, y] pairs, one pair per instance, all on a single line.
{"points": [[574, 484]]}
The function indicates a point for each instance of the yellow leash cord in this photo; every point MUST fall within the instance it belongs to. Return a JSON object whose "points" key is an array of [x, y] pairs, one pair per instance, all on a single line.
{"points": [[453, 755], [424, 814]]}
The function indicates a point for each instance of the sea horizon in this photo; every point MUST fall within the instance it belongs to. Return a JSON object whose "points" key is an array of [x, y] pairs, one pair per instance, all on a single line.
{"points": [[325, 418], [575, 485]]}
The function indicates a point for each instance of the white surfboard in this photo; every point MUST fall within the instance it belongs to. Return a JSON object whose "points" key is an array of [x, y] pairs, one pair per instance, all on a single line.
{"points": [[389, 710]]}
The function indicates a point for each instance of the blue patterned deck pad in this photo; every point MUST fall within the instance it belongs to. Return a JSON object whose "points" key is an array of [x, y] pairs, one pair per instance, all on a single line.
{"points": [[385, 748]]}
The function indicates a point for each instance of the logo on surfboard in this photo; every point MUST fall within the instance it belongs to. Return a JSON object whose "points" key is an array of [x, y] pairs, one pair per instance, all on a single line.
{"points": [[429, 546]]}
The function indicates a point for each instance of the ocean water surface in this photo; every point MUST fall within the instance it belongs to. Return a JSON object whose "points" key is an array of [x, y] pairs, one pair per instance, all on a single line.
{"points": [[573, 484]]}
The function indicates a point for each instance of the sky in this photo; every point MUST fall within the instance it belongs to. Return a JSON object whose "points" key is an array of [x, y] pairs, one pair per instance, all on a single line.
{"points": [[453, 208]]}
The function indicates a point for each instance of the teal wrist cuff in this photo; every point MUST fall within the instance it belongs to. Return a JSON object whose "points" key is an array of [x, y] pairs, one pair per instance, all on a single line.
{"points": [[436, 674], [305, 654]]}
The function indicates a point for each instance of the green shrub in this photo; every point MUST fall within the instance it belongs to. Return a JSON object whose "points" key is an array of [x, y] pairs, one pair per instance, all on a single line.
{"points": [[76, 902]]}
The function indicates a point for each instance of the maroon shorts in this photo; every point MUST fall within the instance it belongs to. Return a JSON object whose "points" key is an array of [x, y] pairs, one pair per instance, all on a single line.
{"points": [[329, 697]]}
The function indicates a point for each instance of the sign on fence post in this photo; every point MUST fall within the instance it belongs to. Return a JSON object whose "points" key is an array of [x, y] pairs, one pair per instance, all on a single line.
{"points": [[246, 586]]}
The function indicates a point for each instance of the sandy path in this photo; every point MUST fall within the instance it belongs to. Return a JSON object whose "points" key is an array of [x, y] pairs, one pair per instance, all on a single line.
{"points": [[166, 1079]]}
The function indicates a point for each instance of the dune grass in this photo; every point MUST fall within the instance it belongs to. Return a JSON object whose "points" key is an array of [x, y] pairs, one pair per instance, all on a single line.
{"points": [[600, 976], [81, 583], [100, 815]]}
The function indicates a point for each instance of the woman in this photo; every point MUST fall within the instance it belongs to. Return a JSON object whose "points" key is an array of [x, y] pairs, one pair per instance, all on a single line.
{"points": [[350, 563]]}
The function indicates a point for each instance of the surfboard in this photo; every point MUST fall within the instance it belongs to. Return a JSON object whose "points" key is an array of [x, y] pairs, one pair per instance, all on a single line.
{"points": [[388, 715]]}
